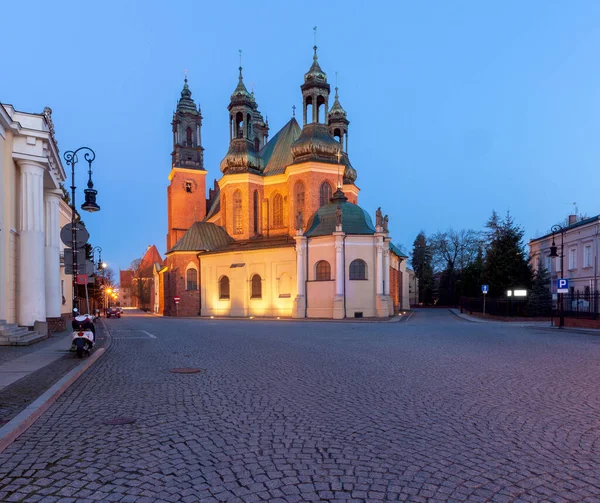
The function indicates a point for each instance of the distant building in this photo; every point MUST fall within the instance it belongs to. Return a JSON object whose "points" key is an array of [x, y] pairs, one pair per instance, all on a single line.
{"points": [[125, 281], [413, 288], [581, 247], [31, 174]]}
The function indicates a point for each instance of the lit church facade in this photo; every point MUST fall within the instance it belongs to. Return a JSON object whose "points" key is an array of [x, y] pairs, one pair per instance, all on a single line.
{"points": [[281, 233]]}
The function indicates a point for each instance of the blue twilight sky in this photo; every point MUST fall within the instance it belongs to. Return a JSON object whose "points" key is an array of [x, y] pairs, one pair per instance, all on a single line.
{"points": [[456, 108]]}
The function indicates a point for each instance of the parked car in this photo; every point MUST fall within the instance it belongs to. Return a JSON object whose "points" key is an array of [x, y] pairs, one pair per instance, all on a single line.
{"points": [[113, 312]]}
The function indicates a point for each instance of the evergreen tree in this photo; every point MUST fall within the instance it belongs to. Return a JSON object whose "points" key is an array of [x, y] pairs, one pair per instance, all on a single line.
{"points": [[506, 264], [472, 277], [421, 262], [540, 298]]}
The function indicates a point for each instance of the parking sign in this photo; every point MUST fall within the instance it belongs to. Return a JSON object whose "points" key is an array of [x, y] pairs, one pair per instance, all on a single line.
{"points": [[562, 285]]}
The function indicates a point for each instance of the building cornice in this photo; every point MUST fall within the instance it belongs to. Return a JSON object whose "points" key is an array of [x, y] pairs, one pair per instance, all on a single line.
{"points": [[185, 170]]}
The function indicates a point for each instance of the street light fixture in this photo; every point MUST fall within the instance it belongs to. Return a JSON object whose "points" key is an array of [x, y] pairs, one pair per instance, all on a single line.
{"points": [[89, 205], [554, 254]]}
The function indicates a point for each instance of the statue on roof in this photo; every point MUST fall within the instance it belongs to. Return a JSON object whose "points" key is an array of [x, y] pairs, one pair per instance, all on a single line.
{"points": [[299, 221], [385, 223], [338, 215], [378, 218]]}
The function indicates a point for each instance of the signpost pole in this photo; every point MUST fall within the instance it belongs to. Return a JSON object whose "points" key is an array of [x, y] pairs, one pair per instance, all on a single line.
{"points": [[484, 296]]}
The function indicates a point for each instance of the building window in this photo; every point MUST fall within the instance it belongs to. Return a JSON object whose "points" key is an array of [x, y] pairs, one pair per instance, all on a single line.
{"points": [[548, 264], [299, 197], [558, 265], [285, 286], [277, 211], [358, 269], [188, 133], [573, 258], [238, 227], [256, 212], [587, 256], [325, 194], [191, 279], [256, 287], [188, 186], [224, 287], [322, 271]]}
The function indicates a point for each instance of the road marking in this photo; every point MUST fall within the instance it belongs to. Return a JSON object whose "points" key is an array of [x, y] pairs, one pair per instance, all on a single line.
{"points": [[149, 334]]}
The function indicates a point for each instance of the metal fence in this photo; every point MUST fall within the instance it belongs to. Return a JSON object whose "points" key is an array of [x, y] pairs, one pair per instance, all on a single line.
{"points": [[575, 305]]}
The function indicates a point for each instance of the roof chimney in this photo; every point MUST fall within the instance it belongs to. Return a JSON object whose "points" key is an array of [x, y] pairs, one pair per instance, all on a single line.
{"points": [[572, 219]]}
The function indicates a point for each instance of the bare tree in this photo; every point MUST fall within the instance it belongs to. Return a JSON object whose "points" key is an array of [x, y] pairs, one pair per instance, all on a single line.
{"points": [[454, 250]]}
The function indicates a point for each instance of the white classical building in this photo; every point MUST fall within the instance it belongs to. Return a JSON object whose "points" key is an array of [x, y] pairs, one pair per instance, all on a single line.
{"points": [[30, 178]]}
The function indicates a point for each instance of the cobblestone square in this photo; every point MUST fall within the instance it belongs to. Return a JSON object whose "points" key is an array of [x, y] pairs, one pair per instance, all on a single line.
{"points": [[434, 409]]}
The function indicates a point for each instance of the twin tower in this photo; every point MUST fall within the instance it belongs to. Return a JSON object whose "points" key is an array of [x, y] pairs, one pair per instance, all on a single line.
{"points": [[323, 139]]}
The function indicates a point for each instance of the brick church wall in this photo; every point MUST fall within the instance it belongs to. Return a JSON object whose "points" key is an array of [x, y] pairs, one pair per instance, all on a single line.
{"points": [[174, 286]]}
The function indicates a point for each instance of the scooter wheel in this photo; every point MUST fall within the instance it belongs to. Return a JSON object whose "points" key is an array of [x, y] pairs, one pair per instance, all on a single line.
{"points": [[79, 352]]}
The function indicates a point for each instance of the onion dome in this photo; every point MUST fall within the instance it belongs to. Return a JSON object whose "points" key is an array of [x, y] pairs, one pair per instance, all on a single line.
{"points": [[355, 220], [186, 103], [315, 74], [350, 174], [315, 144], [241, 158], [240, 95], [337, 112]]}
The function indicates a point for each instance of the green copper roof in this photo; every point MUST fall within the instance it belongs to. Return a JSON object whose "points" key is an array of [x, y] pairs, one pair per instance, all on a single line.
{"points": [[186, 103], [397, 251], [277, 154], [203, 236], [355, 220]]}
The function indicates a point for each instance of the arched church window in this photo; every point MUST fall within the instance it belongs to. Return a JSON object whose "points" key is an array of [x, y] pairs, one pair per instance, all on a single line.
{"points": [[188, 133], [224, 287], [277, 211], [325, 194], [256, 287], [191, 279], [238, 227], [308, 110], [239, 125], [337, 134], [299, 197], [323, 271], [255, 219], [256, 144], [358, 269]]}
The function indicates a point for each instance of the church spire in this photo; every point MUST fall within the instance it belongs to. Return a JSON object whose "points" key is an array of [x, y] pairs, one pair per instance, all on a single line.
{"points": [[187, 127]]}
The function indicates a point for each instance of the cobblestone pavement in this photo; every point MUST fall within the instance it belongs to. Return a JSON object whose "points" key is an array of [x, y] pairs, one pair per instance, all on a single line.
{"points": [[8, 353], [432, 410]]}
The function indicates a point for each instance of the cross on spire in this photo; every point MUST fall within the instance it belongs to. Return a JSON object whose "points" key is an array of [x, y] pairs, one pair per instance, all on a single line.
{"points": [[185, 72], [293, 110], [315, 30]]}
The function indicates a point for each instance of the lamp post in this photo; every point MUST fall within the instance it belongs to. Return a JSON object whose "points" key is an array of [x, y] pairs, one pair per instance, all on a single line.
{"points": [[554, 254], [89, 205], [100, 266]]}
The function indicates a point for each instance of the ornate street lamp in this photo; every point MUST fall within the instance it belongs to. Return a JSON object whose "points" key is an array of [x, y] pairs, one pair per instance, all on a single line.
{"points": [[554, 254], [89, 204]]}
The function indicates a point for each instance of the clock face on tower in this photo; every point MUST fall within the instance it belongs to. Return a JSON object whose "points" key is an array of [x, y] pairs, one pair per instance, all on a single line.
{"points": [[189, 186]]}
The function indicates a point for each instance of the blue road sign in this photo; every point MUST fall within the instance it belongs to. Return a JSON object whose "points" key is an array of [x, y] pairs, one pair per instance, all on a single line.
{"points": [[485, 288], [562, 285]]}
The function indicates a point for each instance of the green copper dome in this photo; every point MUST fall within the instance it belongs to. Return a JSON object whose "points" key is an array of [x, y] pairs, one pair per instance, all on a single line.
{"points": [[355, 220]]}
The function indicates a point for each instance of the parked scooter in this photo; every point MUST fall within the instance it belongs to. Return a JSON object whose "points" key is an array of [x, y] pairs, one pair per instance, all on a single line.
{"points": [[84, 333]]}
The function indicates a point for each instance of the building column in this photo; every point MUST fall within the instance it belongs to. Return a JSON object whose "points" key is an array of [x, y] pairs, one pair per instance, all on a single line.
{"points": [[300, 300], [31, 306], [52, 254], [379, 268], [386, 272], [338, 300]]}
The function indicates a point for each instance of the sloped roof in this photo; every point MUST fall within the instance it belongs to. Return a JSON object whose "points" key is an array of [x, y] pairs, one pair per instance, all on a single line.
{"points": [[569, 227], [150, 258], [203, 236], [277, 153], [215, 206], [397, 250]]}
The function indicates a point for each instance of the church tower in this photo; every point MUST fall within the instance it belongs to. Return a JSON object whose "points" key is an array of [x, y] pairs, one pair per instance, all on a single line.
{"points": [[186, 193], [338, 128]]}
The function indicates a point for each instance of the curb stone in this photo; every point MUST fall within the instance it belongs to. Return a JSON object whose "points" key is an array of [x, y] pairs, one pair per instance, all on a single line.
{"points": [[21, 423]]}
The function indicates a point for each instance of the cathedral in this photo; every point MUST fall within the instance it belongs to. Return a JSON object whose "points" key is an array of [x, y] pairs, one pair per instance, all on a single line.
{"points": [[281, 233]]}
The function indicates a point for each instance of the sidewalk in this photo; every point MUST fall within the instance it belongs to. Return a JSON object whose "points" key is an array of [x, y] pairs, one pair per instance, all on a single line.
{"points": [[531, 324], [25, 376], [476, 319]]}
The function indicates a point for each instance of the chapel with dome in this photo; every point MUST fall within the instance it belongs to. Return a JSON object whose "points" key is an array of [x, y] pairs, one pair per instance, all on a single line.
{"points": [[280, 233]]}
